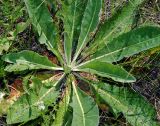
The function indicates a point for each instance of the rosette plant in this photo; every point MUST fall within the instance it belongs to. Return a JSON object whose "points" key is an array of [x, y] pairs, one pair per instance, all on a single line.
{"points": [[87, 50]]}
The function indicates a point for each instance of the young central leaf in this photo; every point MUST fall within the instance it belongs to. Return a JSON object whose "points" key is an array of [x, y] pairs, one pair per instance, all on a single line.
{"points": [[67, 69], [72, 14]]}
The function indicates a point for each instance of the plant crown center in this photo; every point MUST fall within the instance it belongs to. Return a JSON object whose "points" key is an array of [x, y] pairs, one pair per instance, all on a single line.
{"points": [[67, 69]]}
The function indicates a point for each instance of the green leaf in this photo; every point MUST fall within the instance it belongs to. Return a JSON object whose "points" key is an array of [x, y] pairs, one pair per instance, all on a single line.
{"points": [[42, 21], [28, 60], [85, 110], [26, 85], [71, 14], [89, 24], [30, 106], [2, 66], [103, 69], [63, 109], [4, 45], [63, 106], [137, 110], [20, 27], [128, 44], [119, 23], [17, 67], [68, 117]]}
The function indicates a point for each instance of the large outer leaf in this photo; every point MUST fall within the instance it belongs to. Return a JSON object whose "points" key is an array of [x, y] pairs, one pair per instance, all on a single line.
{"points": [[89, 23], [72, 14], [28, 60], [85, 110], [103, 69], [43, 22], [120, 22], [30, 106], [128, 44], [135, 108]]}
